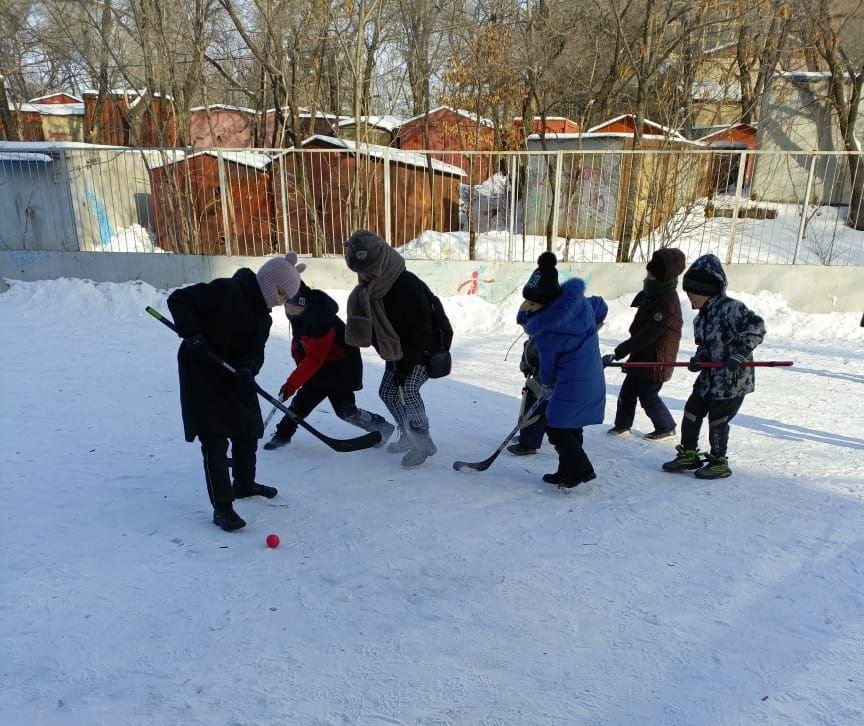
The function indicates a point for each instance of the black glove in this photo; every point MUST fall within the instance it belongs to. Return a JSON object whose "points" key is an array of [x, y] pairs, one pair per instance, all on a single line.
{"points": [[398, 378], [198, 347], [608, 359], [733, 363], [245, 379], [694, 366]]}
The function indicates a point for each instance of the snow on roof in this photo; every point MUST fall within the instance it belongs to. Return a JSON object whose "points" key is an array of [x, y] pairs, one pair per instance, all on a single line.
{"points": [[224, 107], [54, 95], [466, 114], [671, 133], [408, 158], [678, 138], [20, 156], [59, 109], [255, 159], [124, 92], [388, 123], [303, 112], [37, 146]]}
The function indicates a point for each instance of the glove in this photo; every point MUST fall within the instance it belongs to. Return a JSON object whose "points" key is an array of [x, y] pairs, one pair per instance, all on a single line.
{"points": [[198, 347], [245, 379], [694, 366], [287, 390], [608, 359], [398, 378], [547, 392], [733, 363]]}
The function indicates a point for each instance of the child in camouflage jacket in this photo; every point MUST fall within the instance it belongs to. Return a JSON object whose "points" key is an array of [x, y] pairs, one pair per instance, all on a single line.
{"points": [[726, 331]]}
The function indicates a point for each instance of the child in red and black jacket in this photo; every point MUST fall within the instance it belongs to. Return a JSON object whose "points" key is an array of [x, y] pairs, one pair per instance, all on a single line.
{"points": [[327, 367]]}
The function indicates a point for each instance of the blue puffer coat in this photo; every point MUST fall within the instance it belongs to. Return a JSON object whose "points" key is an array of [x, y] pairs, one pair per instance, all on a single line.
{"points": [[566, 335]]}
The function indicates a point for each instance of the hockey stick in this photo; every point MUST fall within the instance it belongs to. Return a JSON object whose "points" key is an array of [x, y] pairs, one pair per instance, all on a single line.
{"points": [[530, 417], [358, 443], [705, 364]]}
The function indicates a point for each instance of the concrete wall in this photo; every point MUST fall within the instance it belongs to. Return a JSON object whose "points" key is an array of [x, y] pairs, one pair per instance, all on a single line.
{"points": [[807, 288]]}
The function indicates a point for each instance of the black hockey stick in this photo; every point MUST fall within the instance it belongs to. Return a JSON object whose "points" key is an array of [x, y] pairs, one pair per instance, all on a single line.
{"points": [[358, 443], [529, 419]]}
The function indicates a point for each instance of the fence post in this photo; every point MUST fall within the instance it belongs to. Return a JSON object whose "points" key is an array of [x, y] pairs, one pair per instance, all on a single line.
{"points": [[511, 217], [559, 163], [739, 186], [223, 190], [283, 193], [801, 227], [388, 210]]}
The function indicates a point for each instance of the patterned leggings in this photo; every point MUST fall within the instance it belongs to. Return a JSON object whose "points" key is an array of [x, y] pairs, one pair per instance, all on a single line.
{"points": [[405, 404]]}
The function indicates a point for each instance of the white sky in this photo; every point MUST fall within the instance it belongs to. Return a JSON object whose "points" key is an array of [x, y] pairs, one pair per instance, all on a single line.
{"points": [[424, 596]]}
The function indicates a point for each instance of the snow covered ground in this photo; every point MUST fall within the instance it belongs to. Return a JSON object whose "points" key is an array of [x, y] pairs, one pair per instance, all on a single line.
{"points": [[425, 596]]}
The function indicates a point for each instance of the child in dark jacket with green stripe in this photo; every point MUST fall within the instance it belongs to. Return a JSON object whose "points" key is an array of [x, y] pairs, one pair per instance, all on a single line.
{"points": [[655, 335]]}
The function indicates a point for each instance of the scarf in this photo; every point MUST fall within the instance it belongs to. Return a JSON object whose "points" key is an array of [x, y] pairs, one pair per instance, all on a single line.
{"points": [[367, 320], [656, 288]]}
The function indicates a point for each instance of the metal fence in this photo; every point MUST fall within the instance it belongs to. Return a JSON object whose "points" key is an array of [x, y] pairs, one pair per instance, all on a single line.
{"points": [[756, 207]]}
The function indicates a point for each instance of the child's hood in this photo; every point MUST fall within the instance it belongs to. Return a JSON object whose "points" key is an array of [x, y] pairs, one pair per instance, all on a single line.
{"points": [[711, 264]]}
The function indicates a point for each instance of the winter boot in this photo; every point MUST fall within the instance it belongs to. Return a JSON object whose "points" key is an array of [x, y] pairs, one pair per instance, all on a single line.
{"points": [[421, 448], [521, 450], [658, 435], [254, 490], [372, 422], [618, 430], [555, 478], [717, 467], [687, 459], [277, 441], [225, 517], [402, 444]]}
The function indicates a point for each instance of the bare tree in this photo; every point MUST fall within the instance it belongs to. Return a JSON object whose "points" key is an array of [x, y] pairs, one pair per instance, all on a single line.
{"points": [[834, 33]]}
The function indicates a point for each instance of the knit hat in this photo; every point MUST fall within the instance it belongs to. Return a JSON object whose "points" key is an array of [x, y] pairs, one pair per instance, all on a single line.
{"points": [[279, 273], [363, 249], [701, 282], [666, 263], [542, 287]]}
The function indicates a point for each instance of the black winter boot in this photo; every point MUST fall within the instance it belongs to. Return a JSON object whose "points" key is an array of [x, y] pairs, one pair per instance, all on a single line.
{"points": [[277, 441], [225, 517], [717, 467], [686, 460], [254, 490]]}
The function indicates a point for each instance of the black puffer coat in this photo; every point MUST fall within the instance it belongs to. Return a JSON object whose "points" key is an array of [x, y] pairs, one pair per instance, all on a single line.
{"points": [[407, 306], [232, 315]]}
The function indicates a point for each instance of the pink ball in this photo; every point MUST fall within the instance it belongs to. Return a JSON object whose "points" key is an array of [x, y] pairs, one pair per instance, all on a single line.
{"points": [[272, 540]]}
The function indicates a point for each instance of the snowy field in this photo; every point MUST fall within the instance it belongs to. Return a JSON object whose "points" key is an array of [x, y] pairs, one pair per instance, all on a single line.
{"points": [[424, 596]]}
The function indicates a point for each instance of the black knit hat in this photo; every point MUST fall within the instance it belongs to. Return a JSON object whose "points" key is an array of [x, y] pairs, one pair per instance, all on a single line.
{"points": [[701, 282], [542, 287]]}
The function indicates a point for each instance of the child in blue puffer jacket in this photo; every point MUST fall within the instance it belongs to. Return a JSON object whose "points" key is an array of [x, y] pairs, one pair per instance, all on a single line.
{"points": [[563, 322]]}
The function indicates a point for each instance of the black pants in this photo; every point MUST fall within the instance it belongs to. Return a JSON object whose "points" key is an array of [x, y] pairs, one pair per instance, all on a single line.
{"points": [[215, 452], [720, 412], [573, 463], [344, 406], [648, 394]]}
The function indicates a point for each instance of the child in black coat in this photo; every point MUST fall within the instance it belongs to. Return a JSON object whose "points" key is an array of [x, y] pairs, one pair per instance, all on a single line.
{"points": [[327, 367]]}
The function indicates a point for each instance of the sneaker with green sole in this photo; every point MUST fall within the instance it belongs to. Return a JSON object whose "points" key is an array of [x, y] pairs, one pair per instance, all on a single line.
{"points": [[717, 467], [686, 460]]}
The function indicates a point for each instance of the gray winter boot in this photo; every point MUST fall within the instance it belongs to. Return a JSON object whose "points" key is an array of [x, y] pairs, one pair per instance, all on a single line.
{"points": [[402, 444], [372, 422], [421, 448]]}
